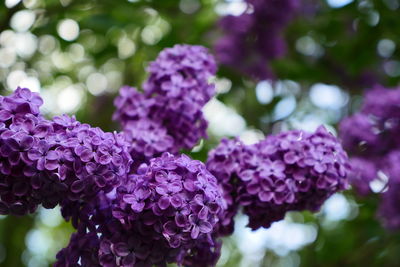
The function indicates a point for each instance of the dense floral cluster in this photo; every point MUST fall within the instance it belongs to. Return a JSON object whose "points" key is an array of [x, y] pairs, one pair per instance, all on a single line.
{"points": [[91, 160], [225, 162], [147, 138], [49, 162], [389, 210], [362, 173], [373, 130], [294, 170], [371, 135], [181, 73], [27, 163], [254, 38], [160, 207], [81, 251], [170, 109], [167, 212], [360, 135], [175, 199]]}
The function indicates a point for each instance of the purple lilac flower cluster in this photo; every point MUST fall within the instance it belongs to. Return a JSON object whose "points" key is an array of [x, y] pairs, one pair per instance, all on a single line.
{"points": [[293, 170], [225, 162], [362, 173], [371, 135], [90, 161], [81, 251], [254, 38], [373, 130], [169, 109], [389, 209], [163, 207], [49, 162], [175, 199], [27, 165], [167, 212]]}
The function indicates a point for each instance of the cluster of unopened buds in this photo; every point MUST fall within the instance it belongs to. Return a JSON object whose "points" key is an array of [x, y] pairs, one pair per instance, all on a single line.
{"points": [[132, 197]]}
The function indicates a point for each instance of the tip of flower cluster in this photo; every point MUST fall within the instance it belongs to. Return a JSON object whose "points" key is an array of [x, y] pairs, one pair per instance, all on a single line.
{"points": [[170, 108]]}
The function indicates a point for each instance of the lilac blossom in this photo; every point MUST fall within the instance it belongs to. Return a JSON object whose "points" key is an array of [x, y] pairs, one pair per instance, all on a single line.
{"points": [[255, 38], [362, 173], [373, 130], [371, 135], [22, 185], [49, 162], [181, 74], [171, 105], [82, 250], [293, 170], [389, 211], [175, 197], [147, 138], [224, 162], [163, 213]]}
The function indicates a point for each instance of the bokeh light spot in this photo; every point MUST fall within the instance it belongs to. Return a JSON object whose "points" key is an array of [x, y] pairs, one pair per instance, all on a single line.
{"points": [[338, 3], [96, 83], [327, 96], [68, 29], [264, 92], [386, 47], [22, 20]]}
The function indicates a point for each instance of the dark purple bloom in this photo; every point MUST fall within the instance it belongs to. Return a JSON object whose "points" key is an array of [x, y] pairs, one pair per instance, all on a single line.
{"points": [[204, 255], [362, 173], [374, 130], [294, 170], [225, 162], [371, 135], [253, 39], [82, 250]]}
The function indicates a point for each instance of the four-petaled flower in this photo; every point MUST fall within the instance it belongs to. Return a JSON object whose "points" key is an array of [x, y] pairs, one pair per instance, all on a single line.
{"points": [[45, 157]]}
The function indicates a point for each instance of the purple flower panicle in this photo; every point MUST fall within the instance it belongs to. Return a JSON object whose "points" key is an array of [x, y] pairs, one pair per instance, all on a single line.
{"points": [[174, 200], [373, 131], [166, 212], [49, 162], [362, 173], [389, 209], [181, 73], [254, 39], [371, 135], [27, 162], [82, 250], [171, 105], [293, 170], [225, 162]]}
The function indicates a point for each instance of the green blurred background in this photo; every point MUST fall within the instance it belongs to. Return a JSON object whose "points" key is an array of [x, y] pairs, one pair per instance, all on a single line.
{"points": [[77, 54]]}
